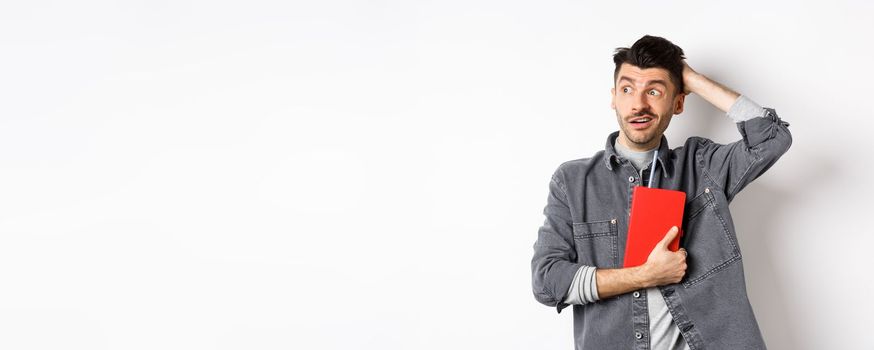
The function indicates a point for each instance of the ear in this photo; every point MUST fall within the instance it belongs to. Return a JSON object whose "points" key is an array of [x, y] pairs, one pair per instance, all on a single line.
{"points": [[678, 103], [613, 98]]}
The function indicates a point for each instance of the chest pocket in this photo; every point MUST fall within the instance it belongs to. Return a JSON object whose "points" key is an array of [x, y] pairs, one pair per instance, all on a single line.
{"points": [[711, 246], [596, 243]]}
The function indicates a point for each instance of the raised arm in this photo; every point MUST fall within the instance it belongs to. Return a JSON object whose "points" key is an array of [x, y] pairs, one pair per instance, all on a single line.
{"points": [[765, 137]]}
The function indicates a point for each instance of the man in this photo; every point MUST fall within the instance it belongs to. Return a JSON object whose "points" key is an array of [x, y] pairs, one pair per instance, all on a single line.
{"points": [[694, 298]]}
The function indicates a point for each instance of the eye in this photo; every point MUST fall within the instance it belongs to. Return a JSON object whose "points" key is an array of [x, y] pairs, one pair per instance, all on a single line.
{"points": [[655, 93], [626, 89]]}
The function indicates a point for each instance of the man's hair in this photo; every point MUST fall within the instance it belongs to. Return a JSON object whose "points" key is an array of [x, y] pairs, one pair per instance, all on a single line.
{"points": [[653, 52]]}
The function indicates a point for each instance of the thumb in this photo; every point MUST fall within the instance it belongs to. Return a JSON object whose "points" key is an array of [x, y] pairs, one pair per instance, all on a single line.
{"points": [[672, 233]]}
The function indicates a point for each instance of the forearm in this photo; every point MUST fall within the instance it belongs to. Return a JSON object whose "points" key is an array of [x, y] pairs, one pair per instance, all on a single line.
{"points": [[613, 282], [715, 93]]}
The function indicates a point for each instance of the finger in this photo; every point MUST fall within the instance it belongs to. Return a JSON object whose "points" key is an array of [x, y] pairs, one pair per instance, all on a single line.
{"points": [[672, 233]]}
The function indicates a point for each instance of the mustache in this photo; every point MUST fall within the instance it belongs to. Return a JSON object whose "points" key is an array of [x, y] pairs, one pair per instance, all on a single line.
{"points": [[642, 113]]}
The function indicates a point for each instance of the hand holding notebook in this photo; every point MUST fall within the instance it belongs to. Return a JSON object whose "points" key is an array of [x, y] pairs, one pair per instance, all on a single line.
{"points": [[664, 266]]}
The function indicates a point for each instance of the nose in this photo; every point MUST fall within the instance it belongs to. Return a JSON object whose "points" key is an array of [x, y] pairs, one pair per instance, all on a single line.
{"points": [[639, 103]]}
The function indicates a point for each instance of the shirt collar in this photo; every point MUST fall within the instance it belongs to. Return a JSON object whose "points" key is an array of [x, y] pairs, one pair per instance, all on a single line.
{"points": [[612, 157]]}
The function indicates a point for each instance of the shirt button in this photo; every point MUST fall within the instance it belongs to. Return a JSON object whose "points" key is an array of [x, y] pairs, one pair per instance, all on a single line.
{"points": [[631, 179], [638, 335], [637, 294], [613, 221], [707, 190]]}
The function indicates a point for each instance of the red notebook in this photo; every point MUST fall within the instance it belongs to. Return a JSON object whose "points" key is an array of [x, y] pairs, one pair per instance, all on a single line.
{"points": [[653, 212]]}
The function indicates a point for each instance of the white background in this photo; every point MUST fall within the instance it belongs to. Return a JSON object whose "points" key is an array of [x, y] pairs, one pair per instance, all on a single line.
{"points": [[372, 174]]}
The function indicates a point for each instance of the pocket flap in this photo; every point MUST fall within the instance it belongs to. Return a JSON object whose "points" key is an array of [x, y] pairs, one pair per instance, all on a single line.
{"points": [[594, 228], [697, 204]]}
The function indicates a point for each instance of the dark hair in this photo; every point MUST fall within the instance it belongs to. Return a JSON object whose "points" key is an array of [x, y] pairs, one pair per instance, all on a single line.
{"points": [[653, 52]]}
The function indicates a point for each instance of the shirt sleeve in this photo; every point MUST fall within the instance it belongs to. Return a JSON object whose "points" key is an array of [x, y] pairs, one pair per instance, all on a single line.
{"points": [[765, 138], [553, 264]]}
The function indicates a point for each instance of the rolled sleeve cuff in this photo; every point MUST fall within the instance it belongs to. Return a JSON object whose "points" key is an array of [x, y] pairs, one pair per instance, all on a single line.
{"points": [[758, 130], [565, 279]]}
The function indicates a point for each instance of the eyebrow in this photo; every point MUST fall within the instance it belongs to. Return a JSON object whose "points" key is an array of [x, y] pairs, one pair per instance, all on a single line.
{"points": [[651, 82]]}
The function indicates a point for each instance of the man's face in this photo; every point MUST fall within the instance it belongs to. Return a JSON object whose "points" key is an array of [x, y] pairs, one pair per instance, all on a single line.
{"points": [[644, 100]]}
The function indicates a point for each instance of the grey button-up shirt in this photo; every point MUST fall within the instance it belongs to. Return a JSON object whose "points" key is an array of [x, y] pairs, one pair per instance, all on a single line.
{"points": [[586, 223]]}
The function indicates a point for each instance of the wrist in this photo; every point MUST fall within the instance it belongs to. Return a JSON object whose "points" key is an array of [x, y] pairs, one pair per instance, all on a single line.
{"points": [[639, 277], [693, 81]]}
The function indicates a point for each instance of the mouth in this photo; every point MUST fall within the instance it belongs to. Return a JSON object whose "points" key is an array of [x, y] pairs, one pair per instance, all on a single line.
{"points": [[640, 123]]}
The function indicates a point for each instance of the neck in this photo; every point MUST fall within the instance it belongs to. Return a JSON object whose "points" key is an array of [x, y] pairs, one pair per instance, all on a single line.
{"points": [[638, 147]]}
